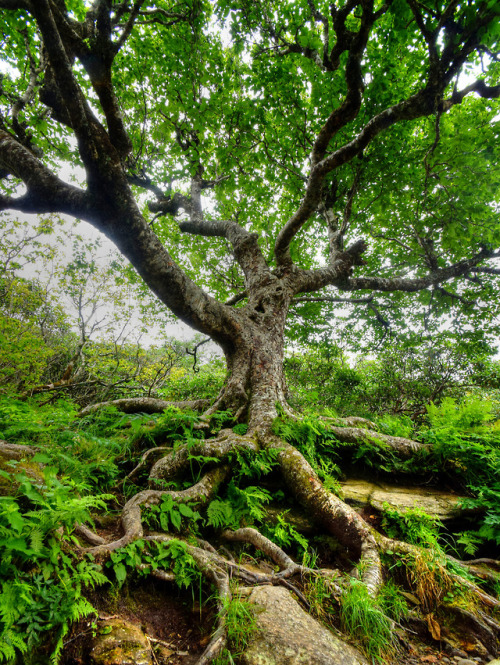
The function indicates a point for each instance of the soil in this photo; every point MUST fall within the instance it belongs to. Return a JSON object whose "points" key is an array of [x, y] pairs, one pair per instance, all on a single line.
{"points": [[178, 627]]}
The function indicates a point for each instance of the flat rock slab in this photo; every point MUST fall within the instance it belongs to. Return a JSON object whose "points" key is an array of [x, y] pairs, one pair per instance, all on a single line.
{"points": [[120, 642], [438, 504], [287, 635]]}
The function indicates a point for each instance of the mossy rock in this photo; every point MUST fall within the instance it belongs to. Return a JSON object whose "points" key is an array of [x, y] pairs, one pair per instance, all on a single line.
{"points": [[19, 455], [120, 642], [287, 635], [437, 503]]}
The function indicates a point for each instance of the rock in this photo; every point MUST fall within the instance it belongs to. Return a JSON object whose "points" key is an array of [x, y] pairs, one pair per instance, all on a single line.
{"points": [[287, 635], [455, 653], [120, 642], [494, 662], [10, 452], [465, 661], [15, 451], [439, 504]]}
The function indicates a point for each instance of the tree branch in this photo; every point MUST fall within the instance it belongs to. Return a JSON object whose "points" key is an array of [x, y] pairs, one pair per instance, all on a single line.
{"points": [[46, 192], [423, 103], [245, 245], [348, 301], [417, 284], [74, 102]]}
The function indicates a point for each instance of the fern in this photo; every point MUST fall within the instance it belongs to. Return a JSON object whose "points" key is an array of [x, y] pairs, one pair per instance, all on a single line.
{"points": [[41, 584], [10, 644], [241, 506], [221, 515], [253, 465], [285, 534]]}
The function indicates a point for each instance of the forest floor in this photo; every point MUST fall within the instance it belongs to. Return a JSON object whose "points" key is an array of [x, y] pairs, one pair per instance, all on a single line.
{"points": [[179, 626]]}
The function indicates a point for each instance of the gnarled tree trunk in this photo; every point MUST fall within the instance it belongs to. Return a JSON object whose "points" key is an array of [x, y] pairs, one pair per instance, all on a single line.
{"points": [[255, 382]]}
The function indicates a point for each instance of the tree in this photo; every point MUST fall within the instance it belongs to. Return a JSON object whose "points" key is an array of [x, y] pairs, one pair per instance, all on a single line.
{"points": [[291, 148]]}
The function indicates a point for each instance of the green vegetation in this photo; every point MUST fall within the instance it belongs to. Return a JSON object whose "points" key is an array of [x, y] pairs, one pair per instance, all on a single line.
{"points": [[363, 618], [240, 622], [42, 580]]}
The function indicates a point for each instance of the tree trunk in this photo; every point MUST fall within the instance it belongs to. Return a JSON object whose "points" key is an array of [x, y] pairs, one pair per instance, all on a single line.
{"points": [[255, 385]]}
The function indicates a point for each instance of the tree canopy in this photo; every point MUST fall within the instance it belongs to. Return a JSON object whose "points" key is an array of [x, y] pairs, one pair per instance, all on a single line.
{"points": [[358, 140]]}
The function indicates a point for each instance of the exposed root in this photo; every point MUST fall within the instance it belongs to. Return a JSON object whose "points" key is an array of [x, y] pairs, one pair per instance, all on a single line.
{"points": [[145, 405], [404, 448], [446, 578], [200, 493], [492, 563], [488, 569], [158, 573], [475, 626], [352, 421], [342, 521], [346, 431], [218, 449], [210, 565], [142, 463], [484, 597], [260, 542], [427, 577], [89, 535], [490, 622]]}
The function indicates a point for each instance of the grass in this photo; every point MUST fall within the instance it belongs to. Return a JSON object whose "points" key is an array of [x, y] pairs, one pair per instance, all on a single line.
{"points": [[363, 618]]}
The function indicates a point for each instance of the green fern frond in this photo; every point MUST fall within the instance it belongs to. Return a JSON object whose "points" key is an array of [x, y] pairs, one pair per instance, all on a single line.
{"points": [[220, 514], [10, 642]]}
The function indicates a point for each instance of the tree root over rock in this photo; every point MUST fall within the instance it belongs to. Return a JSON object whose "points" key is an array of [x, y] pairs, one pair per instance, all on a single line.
{"points": [[365, 546], [145, 405]]}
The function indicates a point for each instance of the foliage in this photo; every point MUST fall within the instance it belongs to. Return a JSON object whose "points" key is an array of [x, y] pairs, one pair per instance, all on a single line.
{"points": [[487, 502], [392, 602], [286, 535], [467, 445], [240, 623], [412, 525], [238, 507], [80, 449], [401, 380], [312, 436], [364, 619], [168, 512], [96, 449], [42, 580], [466, 416], [185, 383], [142, 557], [54, 303]]}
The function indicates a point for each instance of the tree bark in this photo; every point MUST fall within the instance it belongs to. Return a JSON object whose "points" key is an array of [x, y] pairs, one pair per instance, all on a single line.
{"points": [[255, 383]]}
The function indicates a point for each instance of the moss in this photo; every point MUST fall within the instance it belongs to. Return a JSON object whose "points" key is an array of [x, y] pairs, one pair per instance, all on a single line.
{"points": [[8, 486]]}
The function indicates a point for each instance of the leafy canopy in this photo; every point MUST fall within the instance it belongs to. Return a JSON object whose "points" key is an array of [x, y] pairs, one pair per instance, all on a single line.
{"points": [[368, 121]]}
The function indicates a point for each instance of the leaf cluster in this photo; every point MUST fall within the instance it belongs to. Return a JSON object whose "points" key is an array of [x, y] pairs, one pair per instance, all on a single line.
{"points": [[42, 581]]}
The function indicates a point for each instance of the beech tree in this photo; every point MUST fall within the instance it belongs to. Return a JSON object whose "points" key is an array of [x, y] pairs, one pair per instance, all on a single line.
{"points": [[252, 158]]}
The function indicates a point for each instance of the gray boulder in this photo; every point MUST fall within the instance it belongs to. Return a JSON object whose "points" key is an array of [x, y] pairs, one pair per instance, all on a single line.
{"points": [[439, 504], [287, 635]]}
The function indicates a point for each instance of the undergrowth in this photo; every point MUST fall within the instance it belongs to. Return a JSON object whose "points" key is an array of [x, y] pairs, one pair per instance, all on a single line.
{"points": [[41, 578], [363, 618], [240, 624], [43, 583]]}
